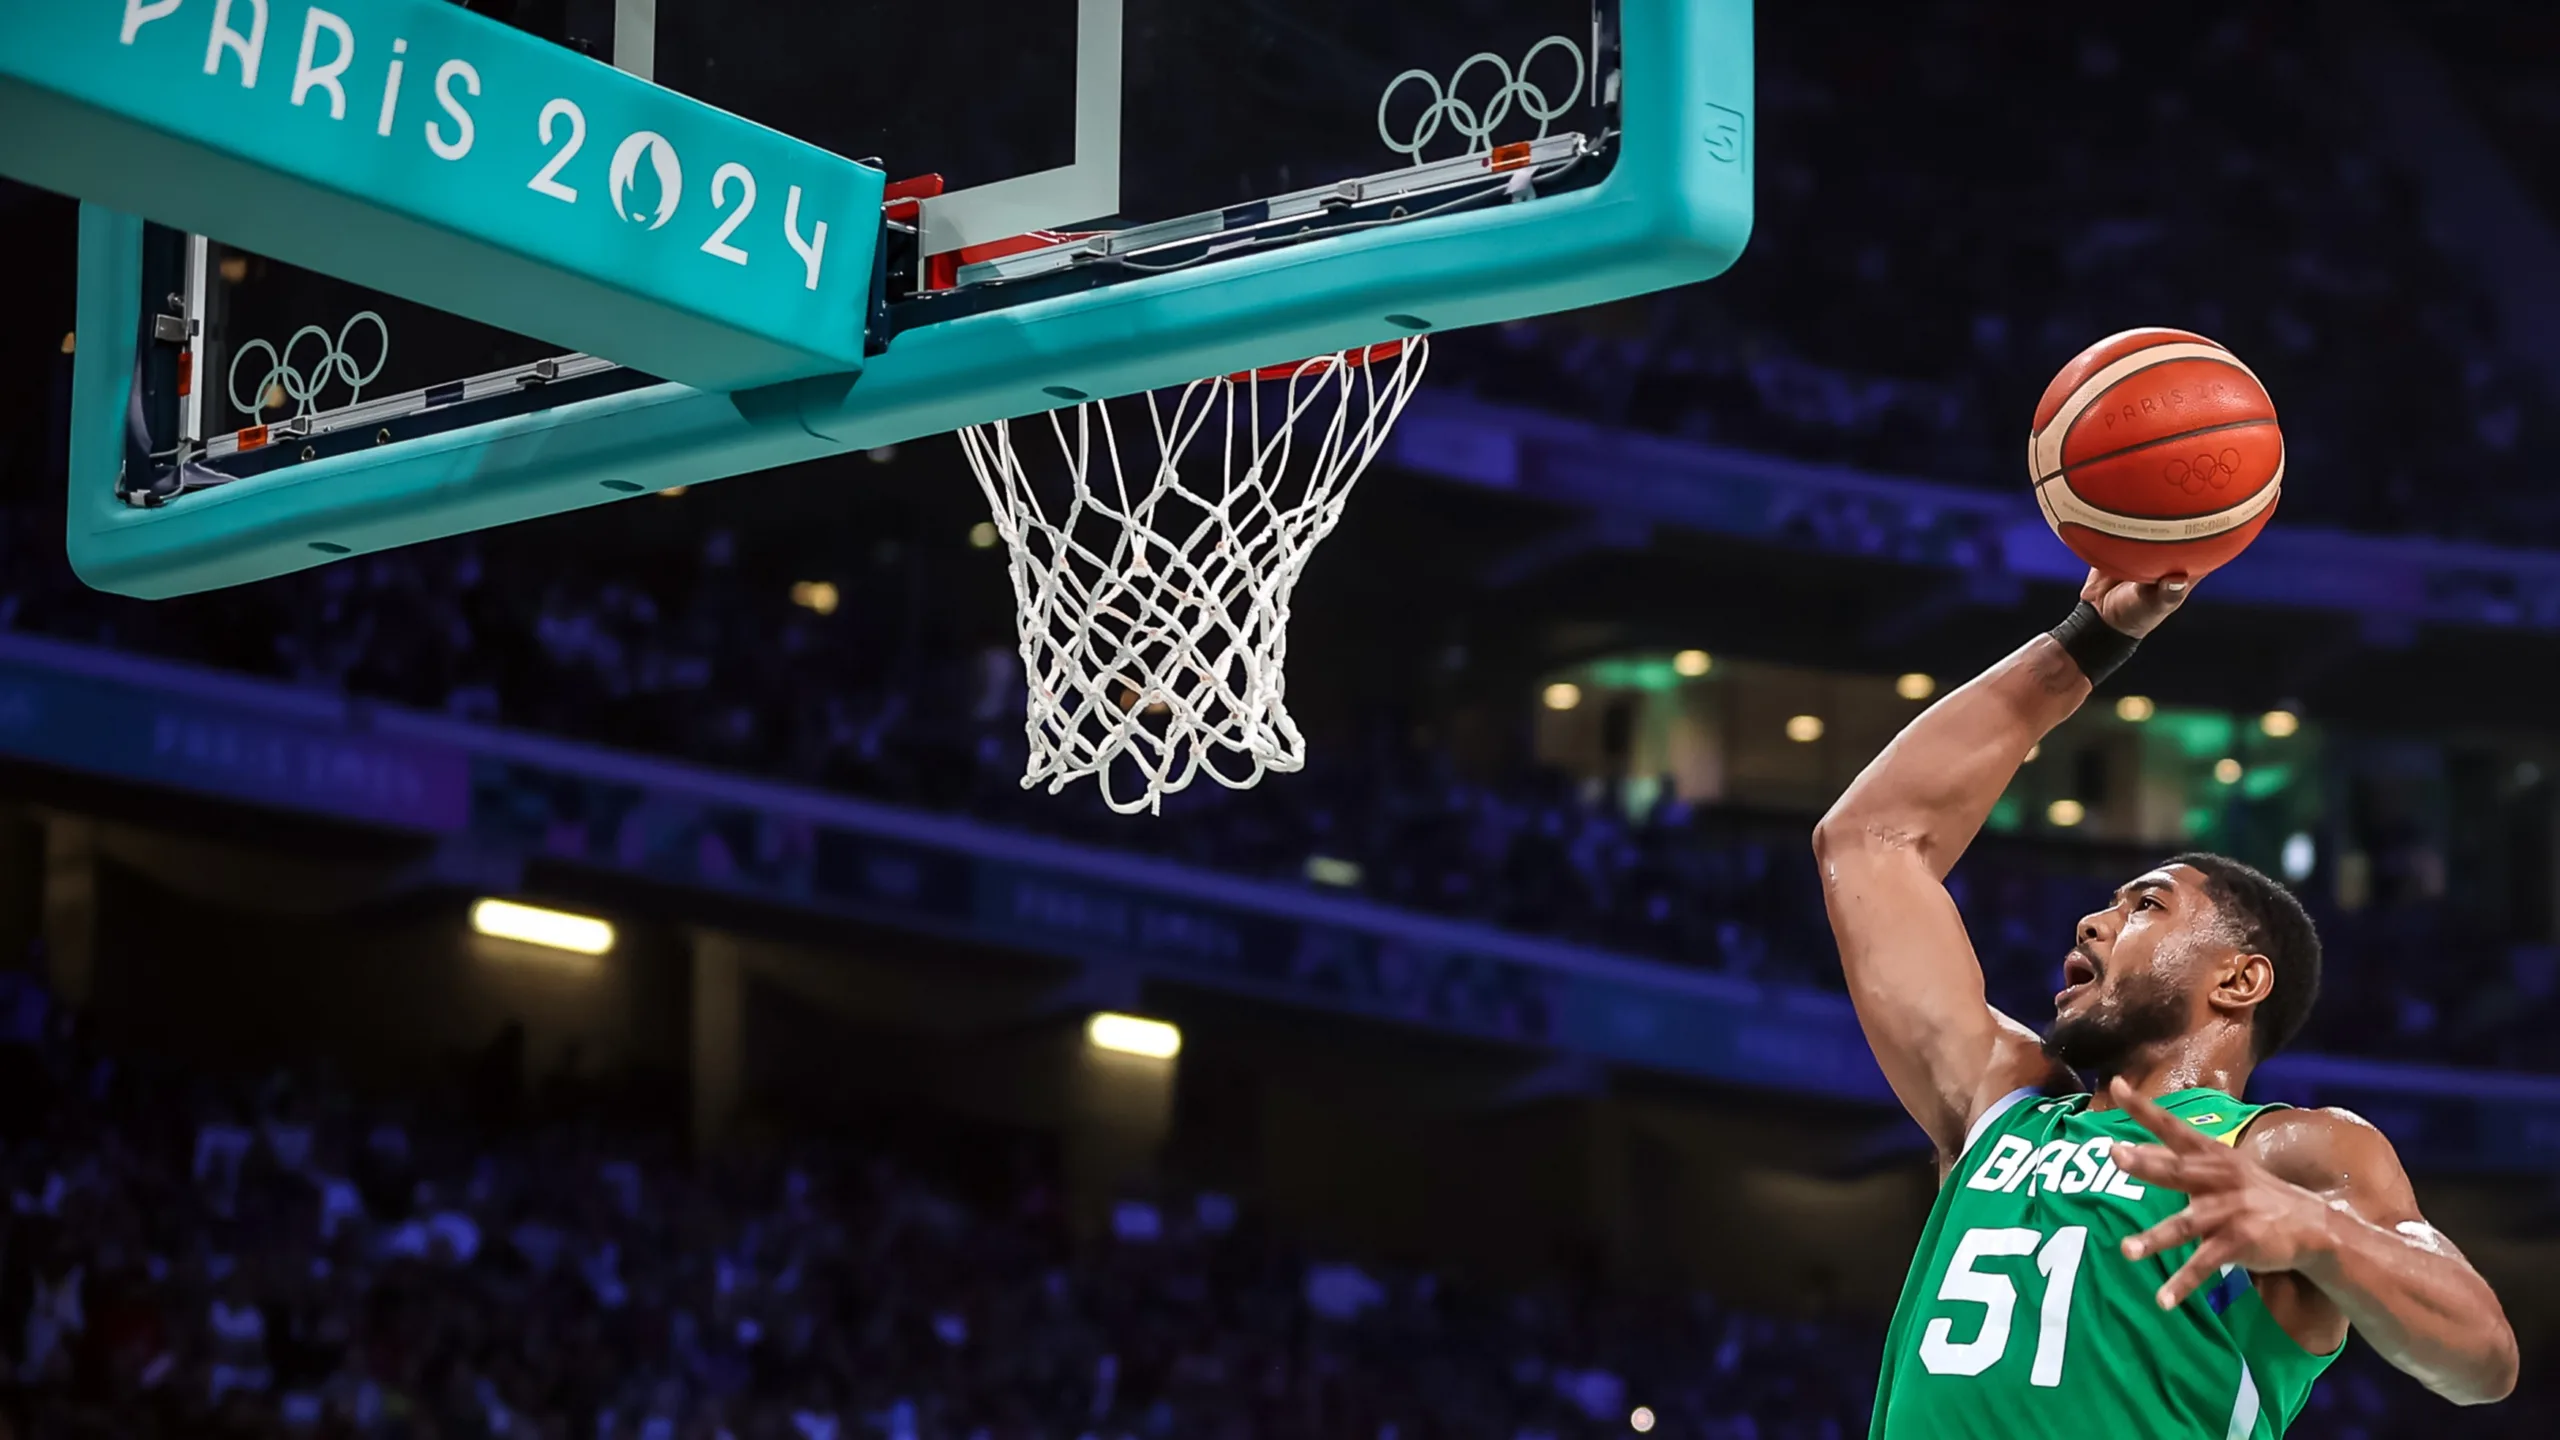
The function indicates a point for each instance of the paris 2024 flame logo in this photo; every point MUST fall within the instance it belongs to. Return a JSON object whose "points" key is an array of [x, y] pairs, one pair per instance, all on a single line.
{"points": [[631, 191]]}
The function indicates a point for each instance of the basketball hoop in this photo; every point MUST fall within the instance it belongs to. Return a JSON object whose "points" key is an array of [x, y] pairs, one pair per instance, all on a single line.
{"points": [[1155, 605]]}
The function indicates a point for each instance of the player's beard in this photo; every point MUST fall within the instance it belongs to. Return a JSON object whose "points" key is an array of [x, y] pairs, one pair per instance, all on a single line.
{"points": [[2144, 1010]]}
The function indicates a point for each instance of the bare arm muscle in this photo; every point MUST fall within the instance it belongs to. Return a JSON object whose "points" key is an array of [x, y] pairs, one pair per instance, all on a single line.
{"points": [[2381, 1267], [1885, 850]]}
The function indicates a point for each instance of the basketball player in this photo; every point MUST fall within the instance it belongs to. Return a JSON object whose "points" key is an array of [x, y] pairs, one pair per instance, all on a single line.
{"points": [[2158, 1258]]}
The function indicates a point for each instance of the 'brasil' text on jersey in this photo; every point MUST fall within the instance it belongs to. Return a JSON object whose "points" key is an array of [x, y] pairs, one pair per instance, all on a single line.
{"points": [[2021, 1316]]}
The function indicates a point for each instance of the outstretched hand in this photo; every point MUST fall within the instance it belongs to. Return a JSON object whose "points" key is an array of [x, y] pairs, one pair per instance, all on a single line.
{"points": [[2238, 1211], [2134, 607]]}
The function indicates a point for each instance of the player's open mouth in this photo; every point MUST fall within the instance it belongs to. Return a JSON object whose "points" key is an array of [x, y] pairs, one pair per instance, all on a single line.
{"points": [[2078, 973]]}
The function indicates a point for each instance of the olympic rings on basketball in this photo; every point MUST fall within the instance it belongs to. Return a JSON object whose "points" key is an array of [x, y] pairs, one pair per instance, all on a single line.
{"points": [[2192, 476], [1478, 125], [303, 391]]}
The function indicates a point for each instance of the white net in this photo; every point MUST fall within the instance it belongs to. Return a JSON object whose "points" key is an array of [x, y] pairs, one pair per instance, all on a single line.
{"points": [[1154, 587]]}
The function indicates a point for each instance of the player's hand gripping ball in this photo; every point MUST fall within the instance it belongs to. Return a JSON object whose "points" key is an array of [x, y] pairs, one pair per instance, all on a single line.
{"points": [[2155, 453]]}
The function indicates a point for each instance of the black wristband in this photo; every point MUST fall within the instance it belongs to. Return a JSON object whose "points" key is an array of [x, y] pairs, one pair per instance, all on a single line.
{"points": [[2094, 645]]}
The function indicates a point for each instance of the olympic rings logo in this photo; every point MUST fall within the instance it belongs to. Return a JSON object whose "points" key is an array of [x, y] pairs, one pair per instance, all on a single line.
{"points": [[2194, 475], [1474, 122], [300, 390]]}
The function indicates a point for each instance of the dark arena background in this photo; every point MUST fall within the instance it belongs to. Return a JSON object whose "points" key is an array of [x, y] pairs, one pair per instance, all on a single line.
{"points": [[603, 977]]}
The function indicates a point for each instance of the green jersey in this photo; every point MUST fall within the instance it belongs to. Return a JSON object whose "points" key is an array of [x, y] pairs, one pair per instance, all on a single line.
{"points": [[2021, 1316]]}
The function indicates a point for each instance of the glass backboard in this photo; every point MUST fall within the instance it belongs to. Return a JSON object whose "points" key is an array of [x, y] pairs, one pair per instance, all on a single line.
{"points": [[1010, 118], [1084, 198]]}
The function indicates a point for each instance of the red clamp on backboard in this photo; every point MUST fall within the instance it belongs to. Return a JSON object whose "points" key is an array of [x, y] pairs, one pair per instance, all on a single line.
{"points": [[903, 201]]}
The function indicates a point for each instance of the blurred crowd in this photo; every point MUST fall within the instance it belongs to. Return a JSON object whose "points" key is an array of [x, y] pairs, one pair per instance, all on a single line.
{"points": [[1923, 261], [1615, 866], [190, 1255], [2500, 55], [697, 652]]}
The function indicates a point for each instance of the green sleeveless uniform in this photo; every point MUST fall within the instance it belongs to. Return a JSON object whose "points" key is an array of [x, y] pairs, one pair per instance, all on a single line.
{"points": [[2021, 1316]]}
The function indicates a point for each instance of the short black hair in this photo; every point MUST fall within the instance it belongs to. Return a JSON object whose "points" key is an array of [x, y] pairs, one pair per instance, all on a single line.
{"points": [[2266, 919]]}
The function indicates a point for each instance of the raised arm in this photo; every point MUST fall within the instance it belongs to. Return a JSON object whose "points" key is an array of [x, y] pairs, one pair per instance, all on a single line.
{"points": [[1887, 845]]}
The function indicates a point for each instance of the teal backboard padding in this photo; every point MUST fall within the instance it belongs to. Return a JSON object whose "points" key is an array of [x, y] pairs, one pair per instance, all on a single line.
{"points": [[1674, 209], [417, 148]]}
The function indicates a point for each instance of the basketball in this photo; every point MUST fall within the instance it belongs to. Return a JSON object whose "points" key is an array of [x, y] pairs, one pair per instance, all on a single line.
{"points": [[2156, 452]]}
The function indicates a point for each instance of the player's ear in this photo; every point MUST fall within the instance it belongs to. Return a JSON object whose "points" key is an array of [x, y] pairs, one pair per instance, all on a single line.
{"points": [[2246, 980]]}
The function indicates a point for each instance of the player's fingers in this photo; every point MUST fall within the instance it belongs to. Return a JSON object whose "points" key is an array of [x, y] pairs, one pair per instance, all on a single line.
{"points": [[2157, 1165], [2193, 1223], [2200, 1268], [2159, 1122]]}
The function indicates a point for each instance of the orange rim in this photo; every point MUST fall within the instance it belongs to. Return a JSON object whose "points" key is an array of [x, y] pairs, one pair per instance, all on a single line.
{"points": [[1383, 350]]}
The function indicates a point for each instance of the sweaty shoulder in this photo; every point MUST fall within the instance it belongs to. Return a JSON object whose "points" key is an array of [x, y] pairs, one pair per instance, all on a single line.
{"points": [[2332, 1150]]}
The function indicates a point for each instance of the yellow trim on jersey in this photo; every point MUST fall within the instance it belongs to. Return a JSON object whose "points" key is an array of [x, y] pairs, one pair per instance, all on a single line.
{"points": [[2261, 1113]]}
